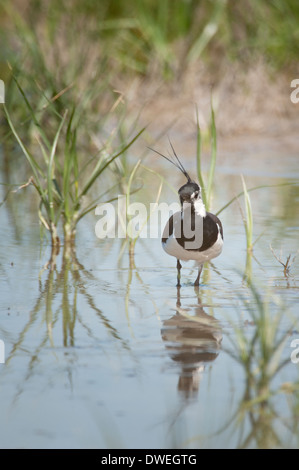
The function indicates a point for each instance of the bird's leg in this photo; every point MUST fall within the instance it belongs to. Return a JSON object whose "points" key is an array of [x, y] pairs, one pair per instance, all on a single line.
{"points": [[196, 290], [178, 298], [178, 266], [196, 283]]}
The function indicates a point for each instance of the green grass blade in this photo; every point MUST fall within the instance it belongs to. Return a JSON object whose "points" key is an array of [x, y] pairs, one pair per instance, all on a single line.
{"points": [[128, 193], [249, 218], [208, 32], [33, 164], [99, 169], [235, 198], [51, 169], [130, 181], [198, 160], [92, 205], [70, 162], [32, 113], [151, 212], [42, 218], [213, 159]]}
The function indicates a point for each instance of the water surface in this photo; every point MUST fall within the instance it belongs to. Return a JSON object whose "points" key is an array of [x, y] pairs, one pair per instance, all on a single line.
{"points": [[101, 354]]}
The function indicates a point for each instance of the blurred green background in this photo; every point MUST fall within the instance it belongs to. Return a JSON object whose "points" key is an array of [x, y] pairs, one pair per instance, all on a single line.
{"points": [[135, 36], [76, 47]]}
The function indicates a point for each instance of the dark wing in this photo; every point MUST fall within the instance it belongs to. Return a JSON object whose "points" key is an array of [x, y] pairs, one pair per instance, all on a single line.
{"points": [[168, 230], [210, 233], [210, 220]]}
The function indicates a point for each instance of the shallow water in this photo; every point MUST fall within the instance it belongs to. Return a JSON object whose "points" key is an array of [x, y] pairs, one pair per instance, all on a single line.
{"points": [[101, 354]]}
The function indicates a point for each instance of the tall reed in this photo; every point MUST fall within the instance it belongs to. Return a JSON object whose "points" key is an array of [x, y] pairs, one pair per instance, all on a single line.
{"points": [[248, 219], [207, 190]]}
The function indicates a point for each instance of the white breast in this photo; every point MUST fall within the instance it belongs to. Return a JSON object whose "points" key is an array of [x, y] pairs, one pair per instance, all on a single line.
{"points": [[172, 247]]}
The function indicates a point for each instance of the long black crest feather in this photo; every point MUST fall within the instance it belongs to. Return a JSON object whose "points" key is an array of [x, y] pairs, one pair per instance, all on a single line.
{"points": [[177, 163]]}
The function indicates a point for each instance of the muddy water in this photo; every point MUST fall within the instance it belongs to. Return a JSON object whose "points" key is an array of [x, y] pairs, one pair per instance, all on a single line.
{"points": [[102, 354]]}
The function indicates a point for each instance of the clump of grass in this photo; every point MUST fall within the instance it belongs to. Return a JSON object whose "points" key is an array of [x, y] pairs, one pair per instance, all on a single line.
{"points": [[258, 344], [61, 177], [263, 349]]}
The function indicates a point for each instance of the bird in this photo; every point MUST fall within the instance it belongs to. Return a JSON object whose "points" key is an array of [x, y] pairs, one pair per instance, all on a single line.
{"points": [[193, 233]]}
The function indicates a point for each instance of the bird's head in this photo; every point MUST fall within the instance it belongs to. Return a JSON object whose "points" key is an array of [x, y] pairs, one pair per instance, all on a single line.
{"points": [[189, 193]]}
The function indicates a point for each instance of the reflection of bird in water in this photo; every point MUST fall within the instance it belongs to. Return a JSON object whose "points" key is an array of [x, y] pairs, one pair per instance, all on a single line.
{"points": [[193, 340]]}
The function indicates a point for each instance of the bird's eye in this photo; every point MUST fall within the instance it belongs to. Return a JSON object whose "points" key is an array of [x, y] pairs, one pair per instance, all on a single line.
{"points": [[196, 193]]}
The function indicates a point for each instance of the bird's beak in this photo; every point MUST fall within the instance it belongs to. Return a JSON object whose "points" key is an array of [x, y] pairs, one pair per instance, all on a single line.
{"points": [[185, 200]]}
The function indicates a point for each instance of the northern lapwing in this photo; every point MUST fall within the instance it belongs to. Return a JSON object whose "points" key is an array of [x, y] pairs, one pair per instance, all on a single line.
{"points": [[193, 233]]}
